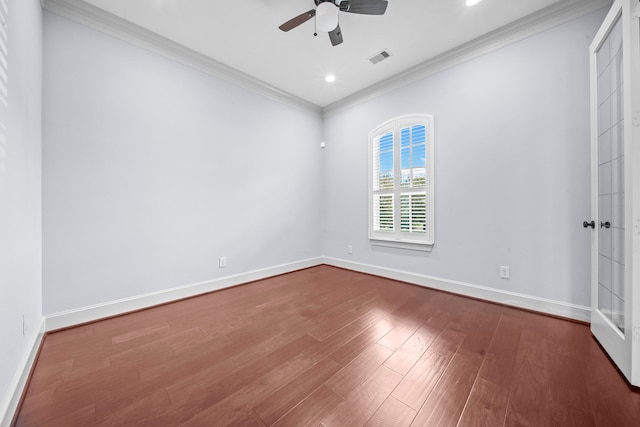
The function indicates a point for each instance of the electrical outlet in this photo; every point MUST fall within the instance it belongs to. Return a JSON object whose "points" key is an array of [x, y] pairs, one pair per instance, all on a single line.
{"points": [[505, 272], [350, 249], [222, 261]]}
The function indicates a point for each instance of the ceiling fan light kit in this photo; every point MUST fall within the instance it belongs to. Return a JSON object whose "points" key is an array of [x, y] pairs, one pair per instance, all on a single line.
{"points": [[326, 17], [326, 14]]}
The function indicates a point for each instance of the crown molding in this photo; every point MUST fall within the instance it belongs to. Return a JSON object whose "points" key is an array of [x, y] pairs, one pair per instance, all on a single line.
{"points": [[528, 26], [110, 24]]}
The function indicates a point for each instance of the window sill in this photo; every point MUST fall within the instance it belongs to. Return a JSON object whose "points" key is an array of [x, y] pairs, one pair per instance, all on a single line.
{"points": [[402, 244]]}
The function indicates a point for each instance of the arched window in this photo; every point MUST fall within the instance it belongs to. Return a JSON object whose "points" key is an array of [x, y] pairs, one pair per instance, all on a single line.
{"points": [[401, 187]]}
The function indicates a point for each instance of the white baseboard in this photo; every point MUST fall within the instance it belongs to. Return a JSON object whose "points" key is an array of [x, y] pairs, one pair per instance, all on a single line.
{"points": [[11, 398], [91, 313], [543, 305]]}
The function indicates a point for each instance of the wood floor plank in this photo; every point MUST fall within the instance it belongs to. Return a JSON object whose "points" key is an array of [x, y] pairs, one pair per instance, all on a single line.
{"points": [[138, 333], [398, 335], [252, 318], [88, 389], [408, 354], [50, 375], [564, 416], [529, 399], [416, 386], [358, 370], [295, 391], [364, 400], [438, 317], [417, 308], [448, 342], [136, 412], [357, 345], [635, 398], [150, 353], [296, 322], [191, 339], [67, 336], [486, 405], [82, 416], [392, 413], [567, 382], [39, 407], [500, 360], [207, 388], [569, 339], [611, 397], [340, 316], [447, 400], [235, 349], [461, 312], [233, 409], [482, 330], [312, 409], [335, 341], [242, 416]]}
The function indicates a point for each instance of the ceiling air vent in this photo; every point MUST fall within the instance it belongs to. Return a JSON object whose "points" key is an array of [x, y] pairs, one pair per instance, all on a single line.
{"points": [[381, 56]]}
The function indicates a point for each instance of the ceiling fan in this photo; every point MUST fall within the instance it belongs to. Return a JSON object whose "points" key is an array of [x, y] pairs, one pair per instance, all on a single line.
{"points": [[326, 13]]}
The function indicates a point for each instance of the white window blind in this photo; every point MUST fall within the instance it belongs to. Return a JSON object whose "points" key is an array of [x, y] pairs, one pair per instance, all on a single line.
{"points": [[401, 183]]}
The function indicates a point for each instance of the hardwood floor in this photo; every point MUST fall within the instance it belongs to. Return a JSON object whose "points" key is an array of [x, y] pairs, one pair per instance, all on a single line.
{"points": [[327, 347]]}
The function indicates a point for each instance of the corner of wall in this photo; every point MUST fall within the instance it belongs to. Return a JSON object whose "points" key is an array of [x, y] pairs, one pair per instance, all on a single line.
{"points": [[12, 399]]}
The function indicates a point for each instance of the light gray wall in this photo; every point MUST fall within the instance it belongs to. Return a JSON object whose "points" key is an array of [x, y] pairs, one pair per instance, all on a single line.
{"points": [[20, 208], [511, 164], [152, 170]]}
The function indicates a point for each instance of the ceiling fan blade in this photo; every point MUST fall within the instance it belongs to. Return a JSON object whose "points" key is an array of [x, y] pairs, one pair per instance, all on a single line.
{"points": [[365, 7], [300, 19], [336, 36]]}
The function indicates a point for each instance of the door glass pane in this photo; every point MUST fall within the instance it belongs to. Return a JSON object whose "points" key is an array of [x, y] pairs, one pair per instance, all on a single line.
{"points": [[611, 178]]}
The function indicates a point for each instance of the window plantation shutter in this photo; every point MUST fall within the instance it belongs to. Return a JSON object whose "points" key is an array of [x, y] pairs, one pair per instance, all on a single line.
{"points": [[401, 186], [383, 182], [413, 213], [383, 206], [413, 176]]}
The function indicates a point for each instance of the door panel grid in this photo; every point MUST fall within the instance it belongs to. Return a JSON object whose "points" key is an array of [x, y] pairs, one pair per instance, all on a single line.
{"points": [[610, 96]]}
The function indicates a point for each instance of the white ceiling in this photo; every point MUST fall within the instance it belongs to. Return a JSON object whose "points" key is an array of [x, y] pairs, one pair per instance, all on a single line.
{"points": [[244, 35]]}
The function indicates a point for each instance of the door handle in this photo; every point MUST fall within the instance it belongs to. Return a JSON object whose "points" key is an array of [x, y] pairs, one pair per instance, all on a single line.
{"points": [[605, 224], [591, 224]]}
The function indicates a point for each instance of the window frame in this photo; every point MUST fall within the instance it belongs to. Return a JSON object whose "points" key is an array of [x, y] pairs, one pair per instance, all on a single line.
{"points": [[397, 238]]}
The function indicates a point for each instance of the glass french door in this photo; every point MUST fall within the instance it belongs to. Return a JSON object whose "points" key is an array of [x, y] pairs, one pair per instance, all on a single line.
{"points": [[615, 79]]}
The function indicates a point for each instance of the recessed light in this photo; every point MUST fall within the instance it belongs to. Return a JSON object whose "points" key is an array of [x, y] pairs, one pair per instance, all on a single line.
{"points": [[330, 78], [472, 2]]}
